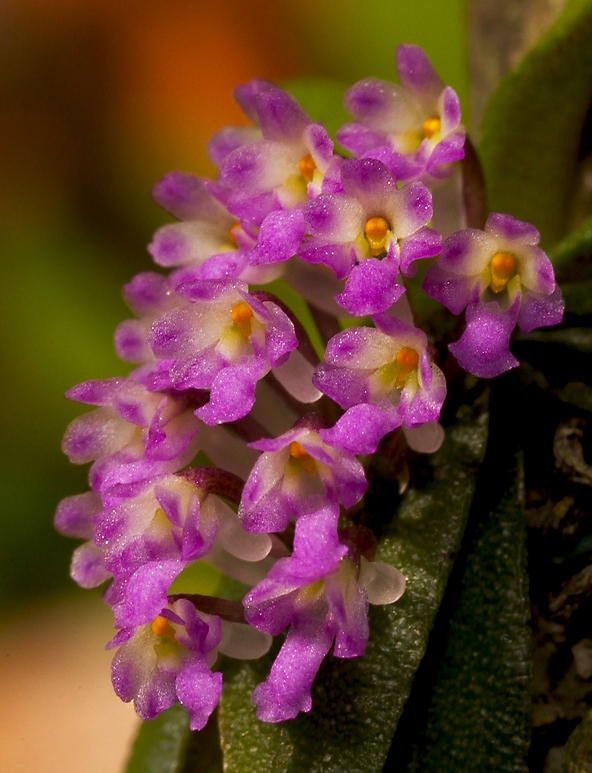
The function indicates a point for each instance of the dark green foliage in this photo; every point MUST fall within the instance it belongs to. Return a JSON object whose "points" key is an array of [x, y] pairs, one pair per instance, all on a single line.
{"points": [[533, 123], [357, 703]]}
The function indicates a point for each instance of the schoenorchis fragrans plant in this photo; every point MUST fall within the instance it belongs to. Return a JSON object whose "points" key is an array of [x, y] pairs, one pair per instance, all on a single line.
{"points": [[225, 370]]}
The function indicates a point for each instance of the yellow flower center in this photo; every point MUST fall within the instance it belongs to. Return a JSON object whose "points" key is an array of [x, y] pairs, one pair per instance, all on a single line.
{"points": [[376, 232], [231, 234], [407, 360], [307, 167], [241, 315], [305, 459], [503, 268], [162, 627], [430, 127]]}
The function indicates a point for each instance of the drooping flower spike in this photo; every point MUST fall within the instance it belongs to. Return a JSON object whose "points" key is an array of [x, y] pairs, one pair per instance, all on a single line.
{"points": [[503, 279], [233, 442]]}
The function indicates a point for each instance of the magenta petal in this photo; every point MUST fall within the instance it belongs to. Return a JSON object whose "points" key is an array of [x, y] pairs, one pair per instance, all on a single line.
{"points": [[280, 236], [88, 566], [368, 99], [130, 342], [286, 691], [452, 291], [368, 180], [452, 148], [281, 118], [371, 288], [146, 593], [450, 110], [484, 347], [358, 139], [424, 243], [232, 395], [245, 95], [417, 72], [199, 691], [74, 516], [229, 139], [540, 310], [185, 196], [511, 228], [360, 429]]}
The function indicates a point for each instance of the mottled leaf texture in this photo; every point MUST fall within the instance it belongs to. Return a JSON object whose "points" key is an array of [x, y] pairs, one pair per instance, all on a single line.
{"points": [[166, 745], [357, 703], [577, 757], [533, 125], [478, 720]]}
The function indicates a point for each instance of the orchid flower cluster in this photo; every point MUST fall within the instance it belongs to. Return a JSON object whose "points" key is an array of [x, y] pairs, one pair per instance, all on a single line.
{"points": [[225, 374]]}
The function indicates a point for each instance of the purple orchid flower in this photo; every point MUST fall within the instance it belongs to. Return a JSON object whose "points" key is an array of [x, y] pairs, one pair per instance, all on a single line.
{"points": [[133, 435], [209, 242], [413, 128], [168, 661], [384, 378], [150, 533], [503, 279], [319, 592], [224, 340], [369, 232], [283, 168], [294, 467]]}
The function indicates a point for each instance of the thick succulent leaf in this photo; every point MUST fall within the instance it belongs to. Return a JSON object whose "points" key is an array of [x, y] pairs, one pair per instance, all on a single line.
{"points": [[577, 757], [166, 745], [357, 703], [478, 716], [533, 124]]}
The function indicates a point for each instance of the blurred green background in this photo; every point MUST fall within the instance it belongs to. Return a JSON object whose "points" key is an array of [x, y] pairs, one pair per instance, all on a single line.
{"points": [[98, 100]]}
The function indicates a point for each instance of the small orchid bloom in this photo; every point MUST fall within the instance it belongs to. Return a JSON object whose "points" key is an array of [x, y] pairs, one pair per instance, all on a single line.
{"points": [[294, 467], [209, 242], [414, 128], [224, 340], [320, 593], [168, 661], [153, 533], [502, 278], [384, 378], [206, 227], [369, 232], [281, 170], [133, 435]]}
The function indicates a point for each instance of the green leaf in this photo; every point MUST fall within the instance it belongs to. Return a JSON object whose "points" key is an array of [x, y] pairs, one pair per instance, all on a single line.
{"points": [[533, 124], [578, 298], [479, 714], [577, 757], [357, 703], [166, 745], [160, 744], [571, 257]]}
